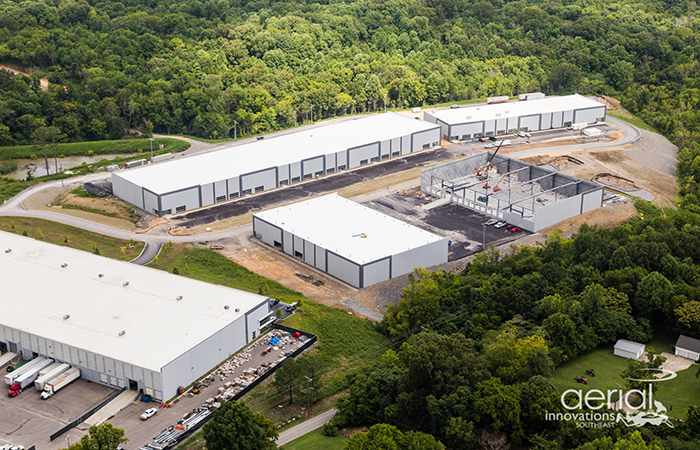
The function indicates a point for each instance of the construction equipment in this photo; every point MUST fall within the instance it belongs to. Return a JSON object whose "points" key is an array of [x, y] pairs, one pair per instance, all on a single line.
{"points": [[495, 187], [484, 172]]}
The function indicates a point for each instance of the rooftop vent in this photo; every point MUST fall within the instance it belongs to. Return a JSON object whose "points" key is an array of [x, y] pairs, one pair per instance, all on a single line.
{"points": [[238, 309], [122, 333], [101, 275], [116, 316], [126, 283], [226, 307], [179, 297], [66, 317], [8, 250], [64, 265]]}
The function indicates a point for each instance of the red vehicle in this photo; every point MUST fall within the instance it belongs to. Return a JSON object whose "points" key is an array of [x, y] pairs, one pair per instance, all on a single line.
{"points": [[14, 390], [513, 229], [481, 139]]}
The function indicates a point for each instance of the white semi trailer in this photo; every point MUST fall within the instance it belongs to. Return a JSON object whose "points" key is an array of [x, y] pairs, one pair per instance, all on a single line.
{"points": [[60, 382]]}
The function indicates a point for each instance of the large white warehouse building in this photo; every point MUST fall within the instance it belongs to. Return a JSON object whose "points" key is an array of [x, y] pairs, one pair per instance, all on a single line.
{"points": [[466, 123], [123, 325], [202, 180], [354, 243]]}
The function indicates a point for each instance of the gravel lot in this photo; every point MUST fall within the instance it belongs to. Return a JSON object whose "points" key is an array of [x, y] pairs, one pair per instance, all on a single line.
{"points": [[654, 151]]}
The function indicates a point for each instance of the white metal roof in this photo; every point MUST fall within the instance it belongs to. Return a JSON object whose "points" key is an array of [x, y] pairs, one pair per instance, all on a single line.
{"points": [[634, 347], [270, 152], [337, 224], [514, 109], [37, 293]]}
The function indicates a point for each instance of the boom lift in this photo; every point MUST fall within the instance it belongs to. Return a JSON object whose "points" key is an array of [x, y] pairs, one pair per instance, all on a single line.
{"points": [[484, 172]]}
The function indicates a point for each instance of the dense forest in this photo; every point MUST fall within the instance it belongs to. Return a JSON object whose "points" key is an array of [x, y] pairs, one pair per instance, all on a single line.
{"points": [[474, 350]]}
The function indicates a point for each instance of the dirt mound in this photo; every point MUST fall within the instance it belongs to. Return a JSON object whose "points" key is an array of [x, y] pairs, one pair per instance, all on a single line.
{"points": [[154, 223], [180, 231], [616, 181]]}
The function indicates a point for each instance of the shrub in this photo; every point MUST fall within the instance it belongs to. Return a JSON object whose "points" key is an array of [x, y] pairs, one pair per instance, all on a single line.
{"points": [[32, 156], [329, 429], [176, 271]]}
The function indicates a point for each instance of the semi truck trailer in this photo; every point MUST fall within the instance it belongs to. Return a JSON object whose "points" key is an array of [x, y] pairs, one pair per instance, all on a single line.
{"points": [[21, 368], [60, 382], [56, 371], [28, 376]]}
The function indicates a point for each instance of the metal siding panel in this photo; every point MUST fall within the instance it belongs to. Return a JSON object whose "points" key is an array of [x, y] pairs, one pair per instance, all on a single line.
{"points": [[589, 115], [568, 116], [396, 145], [283, 172], [295, 169], [556, 212], [343, 269], [341, 159], [127, 191], [310, 167], [288, 239], [385, 148], [512, 123], [490, 126], [425, 137], [557, 121], [502, 125], [233, 185], [266, 178], [361, 153], [405, 145], [220, 189], [320, 258], [298, 245], [207, 194], [592, 200], [330, 161], [150, 202], [531, 122], [427, 255], [546, 121], [376, 272], [188, 198], [268, 233], [468, 128], [309, 252]]}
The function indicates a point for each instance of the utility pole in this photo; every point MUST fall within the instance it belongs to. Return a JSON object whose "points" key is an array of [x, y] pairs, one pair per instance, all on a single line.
{"points": [[384, 102], [235, 136], [310, 394], [151, 142]]}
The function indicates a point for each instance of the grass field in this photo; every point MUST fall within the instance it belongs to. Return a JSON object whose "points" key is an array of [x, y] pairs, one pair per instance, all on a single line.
{"points": [[681, 392], [94, 147], [317, 441], [67, 236], [634, 120], [207, 265]]}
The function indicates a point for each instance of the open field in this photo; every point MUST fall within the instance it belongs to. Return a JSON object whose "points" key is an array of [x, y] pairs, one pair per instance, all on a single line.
{"points": [[317, 441], [67, 236], [681, 392]]}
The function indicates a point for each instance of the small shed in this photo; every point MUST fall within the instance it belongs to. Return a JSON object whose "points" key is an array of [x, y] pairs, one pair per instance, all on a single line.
{"points": [[594, 132], [688, 347], [629, 349]]}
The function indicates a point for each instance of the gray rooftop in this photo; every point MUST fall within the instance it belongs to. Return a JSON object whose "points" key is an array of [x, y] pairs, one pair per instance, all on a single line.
{"points": [[688, 343]]}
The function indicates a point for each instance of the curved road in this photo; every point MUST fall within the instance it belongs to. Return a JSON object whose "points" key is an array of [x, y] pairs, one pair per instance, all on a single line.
{"points": [[155, 238]]}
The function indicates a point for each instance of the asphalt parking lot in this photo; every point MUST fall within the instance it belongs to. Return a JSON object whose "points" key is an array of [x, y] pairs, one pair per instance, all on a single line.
{"points": [[325, 184], [462, 226], [28, 420]]}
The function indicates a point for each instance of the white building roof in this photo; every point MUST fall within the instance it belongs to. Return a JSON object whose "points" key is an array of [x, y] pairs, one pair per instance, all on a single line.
{"points": [[633, 347], [514, 109], [37, 293], [337, 224], [275, 151]]}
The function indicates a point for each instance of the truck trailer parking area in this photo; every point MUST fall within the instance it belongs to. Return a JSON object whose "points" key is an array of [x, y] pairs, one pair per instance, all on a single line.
{"points": [[28, 420]]}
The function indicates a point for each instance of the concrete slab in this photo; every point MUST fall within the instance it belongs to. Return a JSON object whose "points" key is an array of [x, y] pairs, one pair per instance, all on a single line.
{"points": [[112, 408]]}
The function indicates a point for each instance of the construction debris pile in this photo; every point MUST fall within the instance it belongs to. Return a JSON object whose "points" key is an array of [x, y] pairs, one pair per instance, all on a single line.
{"points": [[276, 343]]}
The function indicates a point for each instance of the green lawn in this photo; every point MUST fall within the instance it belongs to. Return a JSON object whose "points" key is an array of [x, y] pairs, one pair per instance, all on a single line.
{"points": [[65, 235], [681, 392], [95, 148], [317, 441], [607, 367]]}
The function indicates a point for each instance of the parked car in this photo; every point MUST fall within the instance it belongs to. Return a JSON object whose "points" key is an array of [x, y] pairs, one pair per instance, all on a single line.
{"points": [[260, 138], [489, 146], [481, 139], [454, 106], [291, 307], [500, 225], [492, 138], [514, 229], [491, 222], [273, 302], [147, 414]]}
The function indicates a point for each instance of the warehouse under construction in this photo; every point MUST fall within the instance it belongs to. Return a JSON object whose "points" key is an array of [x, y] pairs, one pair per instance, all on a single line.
{"points": [[524, 195]]}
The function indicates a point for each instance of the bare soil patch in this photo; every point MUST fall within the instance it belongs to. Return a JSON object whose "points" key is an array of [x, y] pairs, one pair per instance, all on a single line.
{"points": [[44, 81], [616, 182], [276, 265]]}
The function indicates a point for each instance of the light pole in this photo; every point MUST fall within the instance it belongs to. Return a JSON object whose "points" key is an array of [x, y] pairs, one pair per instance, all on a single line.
{"points": [[384, 102], [151, 142], [235, 135]]}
